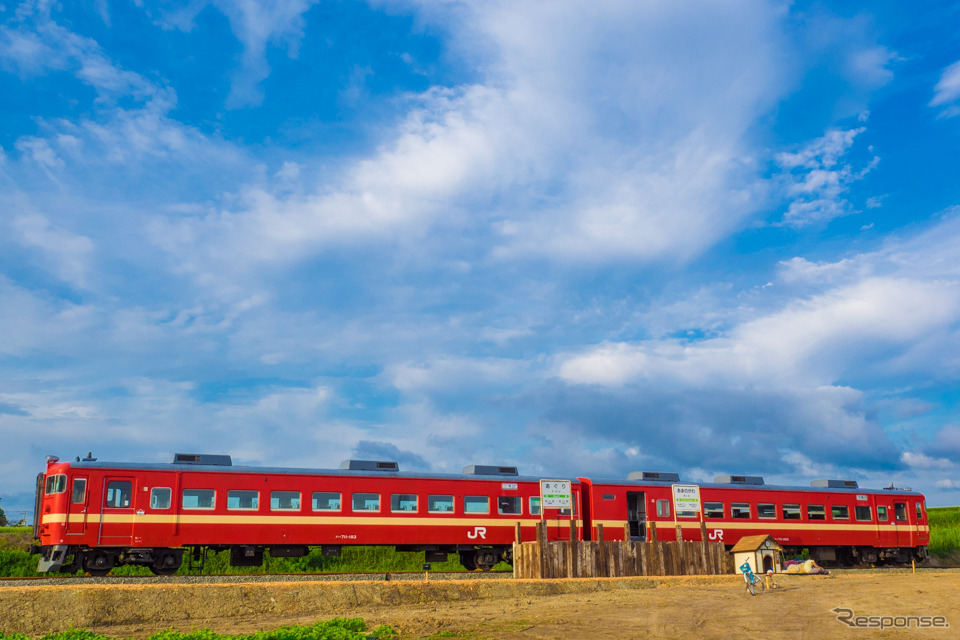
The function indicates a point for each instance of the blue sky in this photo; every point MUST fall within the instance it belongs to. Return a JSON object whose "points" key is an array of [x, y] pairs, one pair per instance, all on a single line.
{"points": [[579, 238]]}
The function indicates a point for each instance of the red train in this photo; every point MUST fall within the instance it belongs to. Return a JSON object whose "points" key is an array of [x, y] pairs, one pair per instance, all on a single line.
{"points": [[97, 515]]}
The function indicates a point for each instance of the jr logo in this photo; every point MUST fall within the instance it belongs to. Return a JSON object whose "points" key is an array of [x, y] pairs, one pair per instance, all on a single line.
{"points": [[478, 532], [716, 534]]}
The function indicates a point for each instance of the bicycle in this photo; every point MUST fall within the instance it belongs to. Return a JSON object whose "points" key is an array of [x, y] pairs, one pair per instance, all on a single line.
{"points": [[754, 582]]}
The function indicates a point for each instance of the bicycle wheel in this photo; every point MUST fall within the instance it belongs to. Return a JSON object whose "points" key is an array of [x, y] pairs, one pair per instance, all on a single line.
{"points": [[751, 587], [759, 585]]}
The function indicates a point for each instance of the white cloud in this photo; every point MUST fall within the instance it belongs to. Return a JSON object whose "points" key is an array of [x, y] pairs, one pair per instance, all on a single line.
{"points": [[922, 461], [69, 253], [948, 484], [947, 91], [816, 180]]}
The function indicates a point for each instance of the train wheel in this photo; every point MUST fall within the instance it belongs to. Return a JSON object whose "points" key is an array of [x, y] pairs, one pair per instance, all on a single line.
{"points": [[469, 560], [167, 562], [98, 563]]}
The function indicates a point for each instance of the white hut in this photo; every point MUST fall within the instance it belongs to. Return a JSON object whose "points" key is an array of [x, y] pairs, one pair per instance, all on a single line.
{"points": [[762, 552]]}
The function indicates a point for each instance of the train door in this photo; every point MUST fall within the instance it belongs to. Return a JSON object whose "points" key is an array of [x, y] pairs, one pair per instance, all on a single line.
{"points": [[902, 524], [921, 530], [77, 507], [637, 515], [117, 511]]}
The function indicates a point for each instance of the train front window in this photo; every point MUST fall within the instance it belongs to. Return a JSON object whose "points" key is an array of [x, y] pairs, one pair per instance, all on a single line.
{"points": [[862, 513], [284, 500], [840, 512], [816, 512], [160, 498], [791, 512], [766, 510], [534, 506], [56, 484], [476, 504], [919, 512], [326, 501], [713, 509], [740, 510], [366, 502], [509, 505], [79, 490], [440, 504], [243, 500], [199, 498], [900, 511], [882, 514], [118, 494], [403, 502]]}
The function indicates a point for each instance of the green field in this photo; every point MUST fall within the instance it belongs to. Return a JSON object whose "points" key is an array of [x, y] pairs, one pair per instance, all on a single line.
{"points": [[945, 533], [338, 629]]}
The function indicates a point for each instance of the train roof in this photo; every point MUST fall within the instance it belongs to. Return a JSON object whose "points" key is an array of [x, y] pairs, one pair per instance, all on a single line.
{"points": [[756, 487], [472, 472]]}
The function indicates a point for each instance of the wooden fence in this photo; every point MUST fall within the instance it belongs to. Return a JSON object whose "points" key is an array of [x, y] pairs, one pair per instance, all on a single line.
{"points": [[614, 559]]}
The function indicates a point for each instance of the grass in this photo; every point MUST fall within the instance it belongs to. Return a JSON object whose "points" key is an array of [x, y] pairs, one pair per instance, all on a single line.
{"points": [[337, 629], [944, 532]]}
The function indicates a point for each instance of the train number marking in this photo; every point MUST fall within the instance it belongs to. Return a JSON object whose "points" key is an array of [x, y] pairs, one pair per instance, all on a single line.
{"points": [[478, 532], [716, 534]]}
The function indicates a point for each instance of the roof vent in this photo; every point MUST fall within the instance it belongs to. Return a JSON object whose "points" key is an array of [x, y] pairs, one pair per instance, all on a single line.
{"points": [[661, 476], [835, 484], [202, 458], [369, 465], [489, 470], [739, 480]]}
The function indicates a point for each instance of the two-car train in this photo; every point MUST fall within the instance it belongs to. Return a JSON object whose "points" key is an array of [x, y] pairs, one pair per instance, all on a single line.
{"points": [[95, 515]]}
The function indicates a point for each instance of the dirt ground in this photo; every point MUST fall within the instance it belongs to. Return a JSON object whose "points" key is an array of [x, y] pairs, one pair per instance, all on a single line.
{"points": [[675, 608]]}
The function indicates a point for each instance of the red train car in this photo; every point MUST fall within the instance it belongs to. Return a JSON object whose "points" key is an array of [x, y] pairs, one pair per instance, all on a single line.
{"points": [[96, 515], [836, 520]]}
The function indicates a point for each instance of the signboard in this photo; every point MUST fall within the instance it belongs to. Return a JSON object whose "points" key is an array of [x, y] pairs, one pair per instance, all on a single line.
{"points": [[556, 494], [686, 499]]}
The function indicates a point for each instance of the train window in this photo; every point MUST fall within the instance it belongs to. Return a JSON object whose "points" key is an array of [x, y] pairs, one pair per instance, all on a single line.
{"points": [[816, 512], [791, 512], [366, 502], [766, 510], [509, 505], [56, 484], [663, 508], [919, 512], [713, 509], [243, 500], [79, 490], [862, 513], [440, 504], [882, 513], [840, 512], [199, 498], [476, 504], [119, 493], [403, 502], [534, 506], [160, 498], [326, 501], [900, 511], [284, 500], [740, 510]]}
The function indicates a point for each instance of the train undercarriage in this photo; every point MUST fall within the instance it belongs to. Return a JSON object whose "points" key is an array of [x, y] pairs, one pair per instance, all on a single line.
{"points": [[830, 556], [166, 561]]}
